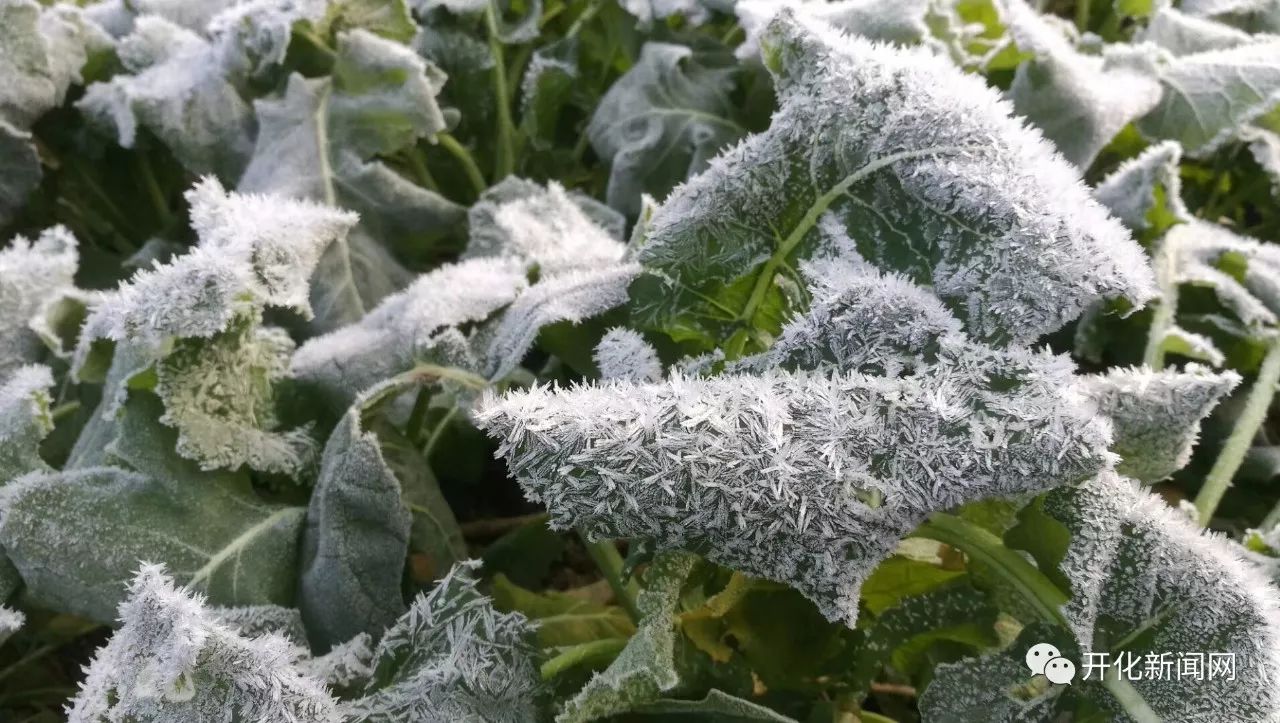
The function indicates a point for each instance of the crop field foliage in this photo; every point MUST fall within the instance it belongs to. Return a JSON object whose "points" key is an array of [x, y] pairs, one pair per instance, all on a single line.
{"points": [[414, 361]]}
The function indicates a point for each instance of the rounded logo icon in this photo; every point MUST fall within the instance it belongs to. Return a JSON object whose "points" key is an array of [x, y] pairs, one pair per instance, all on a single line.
{"points": [[1039, 655], [1060, 671]]}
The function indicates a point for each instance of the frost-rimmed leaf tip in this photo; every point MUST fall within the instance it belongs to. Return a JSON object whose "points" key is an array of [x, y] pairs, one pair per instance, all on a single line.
{"points": [[928, 170]]}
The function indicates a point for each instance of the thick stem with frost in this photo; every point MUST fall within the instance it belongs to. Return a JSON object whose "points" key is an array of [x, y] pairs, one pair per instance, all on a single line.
{"points": [[1247, 425]]}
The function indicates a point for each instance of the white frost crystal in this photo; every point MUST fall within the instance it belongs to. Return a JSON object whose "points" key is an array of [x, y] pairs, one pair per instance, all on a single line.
{"points": [[172, 662], [1134, 189], [807, 479], [624, 354], [32, 273], [24, 420], [1155, 416]]}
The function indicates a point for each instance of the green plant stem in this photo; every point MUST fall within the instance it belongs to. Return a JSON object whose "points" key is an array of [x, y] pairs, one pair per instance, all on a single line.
{"points": [[1128, 697], [609, 562], [418, 415], [585, 17], [64, 410], [1031, 584], [1166, 309], [418, 164], [1246, 428], [158, 201], [596, 651], [505, 162], [1082, 15], [464, 157], [434, 439]]}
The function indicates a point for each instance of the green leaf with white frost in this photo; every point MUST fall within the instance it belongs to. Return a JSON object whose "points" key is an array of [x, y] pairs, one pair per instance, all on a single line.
{"points": [[1079, 101], [32, 273], [250, 621], [197, 322], [42, 50], [357, 533], [934, 179], [214, 534], [904, 22], [714, 707], [389, 19], [547, 88], [1210, 96], [177, 91], [1257, 16], [451, 657], [1244, 273], [1183, 34], [316, 141], [663, 120], [1145, 192], [646, 666], [24, 420], [1155, 416], [173, 660]]}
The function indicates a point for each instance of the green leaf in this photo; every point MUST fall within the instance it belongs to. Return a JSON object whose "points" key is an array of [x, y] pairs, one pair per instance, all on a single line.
{"points": [[357, 533], [77, 536], [563, 619], [1146, 192], [898, 578], [646, 666], [957, 613], [1209, 96], [547, 89], [663, 120], [387, 18], [316, 141], [715, 707], [1183, 34], [845, 165]]}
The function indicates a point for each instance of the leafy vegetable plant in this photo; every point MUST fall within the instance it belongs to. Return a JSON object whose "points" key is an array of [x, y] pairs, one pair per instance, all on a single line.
{"points": [[575, 360]]}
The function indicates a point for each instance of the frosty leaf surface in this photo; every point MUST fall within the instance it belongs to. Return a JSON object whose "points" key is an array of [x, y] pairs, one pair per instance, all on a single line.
{"points": [[316, 142], [215, 535], [544, 228], [24, 420], [172, 660], [624, 354], [894, 21], [1209, 96], [251, 621], [923, 165], [1155, 416], [663, 120], [1183, 34], [42, 50], [794, 477], [1145, 192], [410, 326], [1244, 273], [357, 534], [31, 274], [1080, 101], [451, 657], [646, 666], [177, 91], [1146, 579]]}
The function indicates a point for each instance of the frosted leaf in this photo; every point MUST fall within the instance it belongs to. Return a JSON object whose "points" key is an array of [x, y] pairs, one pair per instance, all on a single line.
{"points": [[282, 239], [31, 274], [1264, 143], [1183, 34], [925, 168], [624, 354], [171, 661], [452, 657], [1191, 345], [24, 420], [571, 296], [42, 50], [251, 621], [544, 228], [663, 120], [1080, 101], [191, 16], [253, 37], [523, 29], [357, 534], [891, 21], [1146, 192], [861, 320], [1155, 416], [317, 141], [214, 533], [547, 89], [1138, 565], [646, 666], [22, 172], [177, 91], [1251, 15], [219, 394], [799, 478], [1250, 285], [407, 327], [695, 12], [346, 665], [1209, 96], [11, 621]]}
